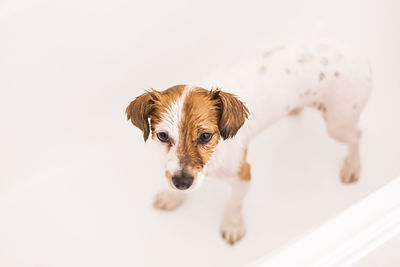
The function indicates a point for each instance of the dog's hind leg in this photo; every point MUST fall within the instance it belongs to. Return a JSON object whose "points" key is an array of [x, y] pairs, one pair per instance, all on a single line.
{"points": [[351, 166], [342, 126]]}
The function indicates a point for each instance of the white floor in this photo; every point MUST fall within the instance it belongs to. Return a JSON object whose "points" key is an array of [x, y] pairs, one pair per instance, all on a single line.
{"points": [[76, 179]]}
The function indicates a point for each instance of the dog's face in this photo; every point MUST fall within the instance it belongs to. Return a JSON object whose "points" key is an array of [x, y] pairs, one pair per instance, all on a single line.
{"points": [[187, 123]]}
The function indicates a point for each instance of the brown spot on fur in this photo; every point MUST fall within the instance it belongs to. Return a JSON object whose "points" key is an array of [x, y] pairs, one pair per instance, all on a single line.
{"points": [[272, 51], [321, 107], [295, 111], [305, 58], [263, 69], [244, 172], [336, 74], [268, 53]]}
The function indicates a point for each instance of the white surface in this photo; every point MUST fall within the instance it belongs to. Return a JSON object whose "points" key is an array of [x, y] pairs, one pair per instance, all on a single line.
{"points": [[386, 255], [348, 237], [76, 180]]}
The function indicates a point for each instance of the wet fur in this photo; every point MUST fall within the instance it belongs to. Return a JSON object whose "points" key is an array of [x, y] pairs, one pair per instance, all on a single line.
{"points": [[283, 82]]}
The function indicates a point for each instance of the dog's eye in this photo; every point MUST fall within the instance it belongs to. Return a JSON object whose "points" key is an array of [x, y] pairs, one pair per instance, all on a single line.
{"points": [[163, 137], [205, 138]]}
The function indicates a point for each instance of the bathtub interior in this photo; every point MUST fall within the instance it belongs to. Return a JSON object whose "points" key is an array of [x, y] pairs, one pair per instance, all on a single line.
{"points": [[77, 180], [385, 255]]}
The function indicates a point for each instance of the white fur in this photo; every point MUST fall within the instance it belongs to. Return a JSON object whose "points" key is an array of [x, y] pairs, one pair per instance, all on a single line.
{"points": [[283, 80], [273, 93], [172, 163], [232, 226]]}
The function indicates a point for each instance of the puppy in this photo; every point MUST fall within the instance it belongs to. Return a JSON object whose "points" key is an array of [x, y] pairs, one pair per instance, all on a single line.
{"points": [[204, 132]]}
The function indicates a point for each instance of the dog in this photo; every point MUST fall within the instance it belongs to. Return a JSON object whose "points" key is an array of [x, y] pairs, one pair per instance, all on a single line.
{"points": [[205, 132]]}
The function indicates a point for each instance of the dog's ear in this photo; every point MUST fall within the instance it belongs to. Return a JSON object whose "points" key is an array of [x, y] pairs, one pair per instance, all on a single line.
{"points": [[233, 113], [140, 110]]}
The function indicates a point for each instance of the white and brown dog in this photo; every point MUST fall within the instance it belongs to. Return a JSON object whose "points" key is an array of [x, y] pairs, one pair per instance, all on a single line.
{"points": [[206, 132]]}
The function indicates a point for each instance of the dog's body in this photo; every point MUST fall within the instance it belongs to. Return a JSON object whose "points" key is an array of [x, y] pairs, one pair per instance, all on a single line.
{"points": [[282, 82]]}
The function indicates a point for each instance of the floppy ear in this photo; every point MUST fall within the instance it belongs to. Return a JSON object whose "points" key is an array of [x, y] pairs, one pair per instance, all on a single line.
{"points": [[233, 113], [139, 111]]}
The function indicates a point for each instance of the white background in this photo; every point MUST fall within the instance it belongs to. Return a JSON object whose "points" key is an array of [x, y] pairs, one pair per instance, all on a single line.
{"points": [[77, 180]]}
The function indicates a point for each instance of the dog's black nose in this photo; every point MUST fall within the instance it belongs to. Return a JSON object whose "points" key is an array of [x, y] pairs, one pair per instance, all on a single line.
{"points": [[182, 181]]}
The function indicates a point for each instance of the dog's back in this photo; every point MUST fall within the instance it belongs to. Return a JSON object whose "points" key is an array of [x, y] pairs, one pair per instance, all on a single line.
{"points": [[285, 79], [334, 81]]}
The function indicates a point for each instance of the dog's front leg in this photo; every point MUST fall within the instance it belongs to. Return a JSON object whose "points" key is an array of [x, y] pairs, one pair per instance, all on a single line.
{"points": [[168, 199], [232, 226]]}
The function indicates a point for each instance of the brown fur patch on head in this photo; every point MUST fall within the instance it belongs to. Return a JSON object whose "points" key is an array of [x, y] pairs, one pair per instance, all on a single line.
{"points": [[215, 112], [200, 114], [151, 105]]}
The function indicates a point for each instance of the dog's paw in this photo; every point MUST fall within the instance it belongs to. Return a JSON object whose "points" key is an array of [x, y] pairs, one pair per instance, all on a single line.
{"points": [[168, 200], [350, 172], [232, 229]]}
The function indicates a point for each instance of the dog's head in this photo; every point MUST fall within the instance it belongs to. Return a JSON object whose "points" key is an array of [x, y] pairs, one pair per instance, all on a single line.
{"points": [[187, 123]]}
